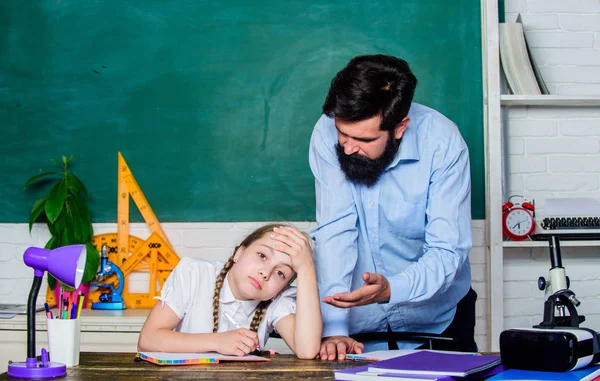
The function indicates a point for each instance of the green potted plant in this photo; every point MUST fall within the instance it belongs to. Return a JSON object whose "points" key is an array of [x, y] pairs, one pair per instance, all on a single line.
{"points": [[64, 209]]}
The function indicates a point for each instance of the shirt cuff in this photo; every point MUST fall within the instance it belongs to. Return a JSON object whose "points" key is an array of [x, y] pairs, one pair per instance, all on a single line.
{"points": [[399, 288]]}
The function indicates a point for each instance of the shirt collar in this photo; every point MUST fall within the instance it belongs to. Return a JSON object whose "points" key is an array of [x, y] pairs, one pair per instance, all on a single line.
{"points": [[409, 145], [226, 297]]}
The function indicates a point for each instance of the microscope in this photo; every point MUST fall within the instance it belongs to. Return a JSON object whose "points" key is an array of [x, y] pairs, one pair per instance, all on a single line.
{"points": [[112, 299], [558, 343]]}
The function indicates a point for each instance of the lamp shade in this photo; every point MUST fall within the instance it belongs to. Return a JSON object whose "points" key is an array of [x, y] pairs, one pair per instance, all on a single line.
{"points": [[65, 263]]}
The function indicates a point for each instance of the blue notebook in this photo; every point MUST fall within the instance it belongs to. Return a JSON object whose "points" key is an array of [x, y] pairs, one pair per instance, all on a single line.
{"points": [[586, 374], [437, 363], [362, 373]]}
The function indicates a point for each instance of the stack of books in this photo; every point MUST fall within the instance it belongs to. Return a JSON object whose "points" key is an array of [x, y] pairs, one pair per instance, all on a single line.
{"points": [[520, 70], [426, 365]]}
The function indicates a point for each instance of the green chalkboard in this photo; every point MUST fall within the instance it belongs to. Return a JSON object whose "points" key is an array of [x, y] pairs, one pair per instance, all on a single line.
{"points": [[211, 103]]}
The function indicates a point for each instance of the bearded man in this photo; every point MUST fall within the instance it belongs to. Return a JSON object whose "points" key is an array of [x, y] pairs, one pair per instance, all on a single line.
{"points": [[393, 202]]}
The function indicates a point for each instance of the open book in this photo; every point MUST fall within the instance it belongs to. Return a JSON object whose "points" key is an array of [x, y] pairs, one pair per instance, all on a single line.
{"points": [[163, 358], [515, 60]]}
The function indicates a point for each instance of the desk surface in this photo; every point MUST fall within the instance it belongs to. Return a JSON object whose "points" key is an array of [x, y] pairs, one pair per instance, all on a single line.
{"points": [[121, 366]]}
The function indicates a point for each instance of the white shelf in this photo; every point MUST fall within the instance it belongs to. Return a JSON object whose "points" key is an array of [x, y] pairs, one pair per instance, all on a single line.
{"points": [[564, 243], [550, 100]]}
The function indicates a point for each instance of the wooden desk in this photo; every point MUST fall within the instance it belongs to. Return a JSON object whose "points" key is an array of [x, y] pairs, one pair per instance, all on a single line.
{"points": [[121, 366], [101, 331]]}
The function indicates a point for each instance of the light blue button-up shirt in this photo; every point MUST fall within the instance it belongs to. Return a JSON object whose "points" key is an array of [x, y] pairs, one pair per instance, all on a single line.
{"points": [[413, 226]]}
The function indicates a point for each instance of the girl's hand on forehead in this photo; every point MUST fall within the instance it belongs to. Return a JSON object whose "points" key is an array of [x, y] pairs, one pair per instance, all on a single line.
{"points": [[291, 241]]}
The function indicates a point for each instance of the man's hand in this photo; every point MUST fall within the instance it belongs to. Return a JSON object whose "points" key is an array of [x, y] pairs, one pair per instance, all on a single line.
{"points": [[338, 346], [376, 289]]}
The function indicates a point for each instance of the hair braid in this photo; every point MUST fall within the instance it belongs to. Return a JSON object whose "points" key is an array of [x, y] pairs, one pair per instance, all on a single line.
{"points": [[218, 285], [258, 315]]}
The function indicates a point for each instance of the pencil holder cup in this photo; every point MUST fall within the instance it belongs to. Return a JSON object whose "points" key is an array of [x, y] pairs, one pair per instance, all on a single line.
{"points": [[63, 340]]}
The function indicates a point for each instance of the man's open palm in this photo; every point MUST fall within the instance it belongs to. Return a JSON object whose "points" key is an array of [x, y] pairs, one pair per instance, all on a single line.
{"points": [[376, 289]]}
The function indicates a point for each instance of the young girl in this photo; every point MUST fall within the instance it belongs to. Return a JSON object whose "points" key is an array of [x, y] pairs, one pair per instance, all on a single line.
{"points": [[231, 309]]}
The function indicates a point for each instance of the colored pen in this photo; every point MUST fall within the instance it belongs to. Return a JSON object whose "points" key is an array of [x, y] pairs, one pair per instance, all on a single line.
{"points": [[236, 325], [60, 303], [48, 313], [65, 311], [70, 305], [79, 304]]}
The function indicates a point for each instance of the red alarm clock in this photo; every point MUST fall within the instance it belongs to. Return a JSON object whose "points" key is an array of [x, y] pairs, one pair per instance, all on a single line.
{"points": [[517, 219]]}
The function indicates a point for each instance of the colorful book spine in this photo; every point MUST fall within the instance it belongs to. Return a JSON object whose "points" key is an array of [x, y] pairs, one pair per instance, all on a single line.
{"points": [[178, 362]]}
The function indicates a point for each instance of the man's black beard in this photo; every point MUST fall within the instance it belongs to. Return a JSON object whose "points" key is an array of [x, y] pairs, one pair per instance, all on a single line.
{"points": [[362, 170]]}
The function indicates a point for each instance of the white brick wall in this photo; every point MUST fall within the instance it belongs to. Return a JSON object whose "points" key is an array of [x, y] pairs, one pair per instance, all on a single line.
{"points": [[198, 240], [555, 152]]}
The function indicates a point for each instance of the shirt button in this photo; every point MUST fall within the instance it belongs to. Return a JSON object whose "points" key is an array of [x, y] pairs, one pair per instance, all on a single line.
{"points": [[372, 204], [372, 235]]}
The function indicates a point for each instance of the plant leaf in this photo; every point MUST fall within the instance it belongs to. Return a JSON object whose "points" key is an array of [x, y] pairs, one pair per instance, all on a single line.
{"points": [[85, 211], [74, 179], [51, 244], [86, 220], [73, 184], [37, 177], [75, 220], [91, 263], [56, 200], [36, 211], [59, 225], [52, 283], [63, 238]]}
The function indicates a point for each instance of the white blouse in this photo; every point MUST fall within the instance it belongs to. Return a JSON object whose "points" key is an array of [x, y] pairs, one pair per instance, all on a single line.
{"points": [[189, 292]]}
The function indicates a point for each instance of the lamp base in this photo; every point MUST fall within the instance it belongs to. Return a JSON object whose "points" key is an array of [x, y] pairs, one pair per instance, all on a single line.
{"points": [[33, 368]]}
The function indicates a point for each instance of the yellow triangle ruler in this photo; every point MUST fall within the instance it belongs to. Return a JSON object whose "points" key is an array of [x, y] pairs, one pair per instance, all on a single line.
{"points": [[128, 186]]}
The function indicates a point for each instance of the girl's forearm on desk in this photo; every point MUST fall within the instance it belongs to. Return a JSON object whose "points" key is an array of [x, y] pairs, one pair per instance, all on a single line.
{"points": [[165, 340]]}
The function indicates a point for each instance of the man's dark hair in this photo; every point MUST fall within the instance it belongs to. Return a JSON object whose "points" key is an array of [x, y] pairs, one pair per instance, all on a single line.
{"points": [[369, 86]]}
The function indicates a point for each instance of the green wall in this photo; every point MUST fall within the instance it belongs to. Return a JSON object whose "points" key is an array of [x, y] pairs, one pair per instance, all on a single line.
{"points": [[211, 103]]}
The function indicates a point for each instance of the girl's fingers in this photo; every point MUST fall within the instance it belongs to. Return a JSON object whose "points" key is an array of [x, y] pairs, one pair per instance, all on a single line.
{"points": [[248, 342], [292, 231], [285, 241], [288, 238]]}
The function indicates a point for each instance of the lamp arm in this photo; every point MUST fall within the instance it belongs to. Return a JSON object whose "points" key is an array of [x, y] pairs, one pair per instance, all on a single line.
{"points": [[33, 294]]}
